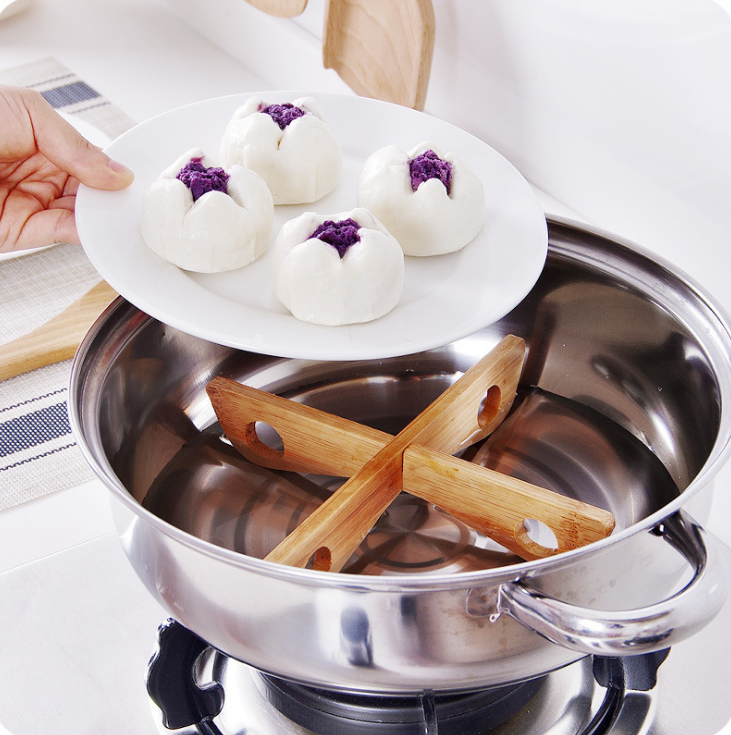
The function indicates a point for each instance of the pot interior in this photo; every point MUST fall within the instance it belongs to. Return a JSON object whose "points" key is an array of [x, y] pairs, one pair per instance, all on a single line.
{"points": [[619, 406]]}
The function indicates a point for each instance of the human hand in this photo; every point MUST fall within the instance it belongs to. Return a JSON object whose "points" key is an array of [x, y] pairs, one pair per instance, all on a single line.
{"points": [[42, 161]]}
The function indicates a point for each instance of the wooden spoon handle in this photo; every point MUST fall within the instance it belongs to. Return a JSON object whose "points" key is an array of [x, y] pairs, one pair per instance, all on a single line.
{"points": [[57, 339]]}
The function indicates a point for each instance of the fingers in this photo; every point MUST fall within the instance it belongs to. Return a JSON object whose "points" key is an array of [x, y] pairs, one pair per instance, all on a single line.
{"points": [[48, 227], [61, 143]]}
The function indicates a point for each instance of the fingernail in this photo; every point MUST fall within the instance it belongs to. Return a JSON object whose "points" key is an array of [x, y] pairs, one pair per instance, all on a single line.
{"points": [[119, 168]]}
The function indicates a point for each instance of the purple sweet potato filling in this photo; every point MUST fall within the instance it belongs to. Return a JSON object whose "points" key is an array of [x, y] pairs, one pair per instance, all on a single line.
{"points": [[284, 114], [428, 165], [341, 235], [200, 180]]}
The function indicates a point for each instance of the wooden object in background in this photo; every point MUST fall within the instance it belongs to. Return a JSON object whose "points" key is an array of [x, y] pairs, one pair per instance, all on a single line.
{"points": [[280, 8], [57, 339], [381, 48]]}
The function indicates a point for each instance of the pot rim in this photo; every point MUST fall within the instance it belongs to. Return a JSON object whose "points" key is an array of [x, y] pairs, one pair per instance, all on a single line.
{"points": [[439, 581]]}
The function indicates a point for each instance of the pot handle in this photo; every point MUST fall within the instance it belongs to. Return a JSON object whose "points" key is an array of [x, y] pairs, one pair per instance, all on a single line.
{"points": [[645, 629]]}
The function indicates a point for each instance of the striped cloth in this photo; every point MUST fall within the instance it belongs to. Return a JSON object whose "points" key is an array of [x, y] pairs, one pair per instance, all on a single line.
{"points": [[38, 454], [65, 91]]}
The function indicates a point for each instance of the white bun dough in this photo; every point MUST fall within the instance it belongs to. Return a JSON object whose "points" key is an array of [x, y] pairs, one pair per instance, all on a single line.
{"points": [[318, 286], [300, 164], [427, 221], [218, 232]]}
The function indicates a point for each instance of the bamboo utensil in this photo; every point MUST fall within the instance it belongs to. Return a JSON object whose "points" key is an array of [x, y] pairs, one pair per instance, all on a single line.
{"points": [[381, 48], [280, 8], [57, 339], [416, 460], [333, 531], [320, 443]]}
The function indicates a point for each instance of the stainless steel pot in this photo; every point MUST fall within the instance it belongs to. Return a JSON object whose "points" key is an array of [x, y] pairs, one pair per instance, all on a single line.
{"points": [[624, 402]]}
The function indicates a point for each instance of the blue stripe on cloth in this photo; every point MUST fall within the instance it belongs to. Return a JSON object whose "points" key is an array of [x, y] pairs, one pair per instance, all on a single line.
{"points": [[43, 455], [28, 401], [34, 429], [70, 94]]}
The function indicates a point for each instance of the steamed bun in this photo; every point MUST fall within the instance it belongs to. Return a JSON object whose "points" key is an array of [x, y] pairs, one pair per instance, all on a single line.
{"points": [[289, 145], [337, 269], [205, 218], [431, 201]]}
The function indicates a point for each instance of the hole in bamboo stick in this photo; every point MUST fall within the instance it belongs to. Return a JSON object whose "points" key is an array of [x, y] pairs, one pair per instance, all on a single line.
{"points": [[536, 537], [539, 532], [264, 439], [489, 406], [322, 559]]}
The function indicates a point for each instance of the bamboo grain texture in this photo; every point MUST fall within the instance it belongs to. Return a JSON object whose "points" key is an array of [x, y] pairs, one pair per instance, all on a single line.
{"points": [[380, 466], [381, 48], [57, 339], [280, 8]]}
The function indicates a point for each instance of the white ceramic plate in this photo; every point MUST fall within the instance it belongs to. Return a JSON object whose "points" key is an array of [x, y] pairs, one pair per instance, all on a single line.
{"points": [[444, 298]]}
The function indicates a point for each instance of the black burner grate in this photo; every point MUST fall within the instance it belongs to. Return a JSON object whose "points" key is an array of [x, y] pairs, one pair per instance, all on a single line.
{"points": [[173, 685], [328, 712]]}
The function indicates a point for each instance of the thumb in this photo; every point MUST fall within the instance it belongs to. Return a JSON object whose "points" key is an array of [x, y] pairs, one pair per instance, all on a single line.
{"points": [[65, 147]]}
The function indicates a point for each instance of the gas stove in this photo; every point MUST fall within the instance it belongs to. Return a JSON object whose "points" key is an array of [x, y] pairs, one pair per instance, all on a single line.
{"points": [[196, 690], [202, 692], [78, 632]]}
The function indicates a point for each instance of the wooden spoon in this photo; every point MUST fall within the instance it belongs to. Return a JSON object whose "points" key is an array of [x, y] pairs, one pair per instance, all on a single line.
{"points": [[381, 48], [57, 339]]}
